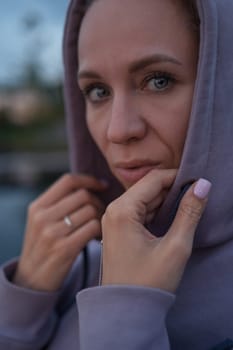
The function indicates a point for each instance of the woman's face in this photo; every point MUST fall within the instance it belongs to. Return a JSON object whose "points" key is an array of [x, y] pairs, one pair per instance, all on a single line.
{"points": [[137, 70]]}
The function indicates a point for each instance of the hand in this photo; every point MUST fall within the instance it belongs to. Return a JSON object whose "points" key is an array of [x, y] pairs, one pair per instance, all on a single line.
{"points": [[131, 254], [50, 245]]}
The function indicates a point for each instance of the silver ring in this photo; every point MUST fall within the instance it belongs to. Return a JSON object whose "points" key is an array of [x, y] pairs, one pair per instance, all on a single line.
{"points": [[68, 221]]}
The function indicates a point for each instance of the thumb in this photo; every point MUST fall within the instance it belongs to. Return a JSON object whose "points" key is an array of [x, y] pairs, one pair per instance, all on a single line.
{"points": [[189, 213]]}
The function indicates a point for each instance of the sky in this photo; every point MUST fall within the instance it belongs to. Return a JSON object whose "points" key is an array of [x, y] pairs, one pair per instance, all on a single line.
{"points": [[19, 45]]}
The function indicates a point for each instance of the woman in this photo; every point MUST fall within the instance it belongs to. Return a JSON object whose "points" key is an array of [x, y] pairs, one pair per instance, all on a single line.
{"points": [[149, 121]]}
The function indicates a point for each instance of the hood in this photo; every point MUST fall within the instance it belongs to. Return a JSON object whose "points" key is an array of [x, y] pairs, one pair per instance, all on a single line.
{"points": [[209, 143]]}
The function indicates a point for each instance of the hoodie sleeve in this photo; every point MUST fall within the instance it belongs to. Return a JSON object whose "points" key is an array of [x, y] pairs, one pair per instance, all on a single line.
{"points": [[27, 318], [123, 317]]}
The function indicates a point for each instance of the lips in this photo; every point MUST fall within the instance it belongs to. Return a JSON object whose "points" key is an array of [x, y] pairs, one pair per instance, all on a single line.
{"points": [[132, 172]]}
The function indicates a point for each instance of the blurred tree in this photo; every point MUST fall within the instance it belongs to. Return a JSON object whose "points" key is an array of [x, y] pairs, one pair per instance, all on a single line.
{"points": [[31, 72]]}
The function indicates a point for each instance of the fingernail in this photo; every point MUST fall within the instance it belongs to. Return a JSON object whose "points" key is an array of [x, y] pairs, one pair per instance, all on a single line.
{"points": [[202, 188]]}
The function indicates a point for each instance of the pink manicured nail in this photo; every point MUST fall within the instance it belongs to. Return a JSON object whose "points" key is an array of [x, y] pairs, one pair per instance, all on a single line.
{"points": [[202, 188]]}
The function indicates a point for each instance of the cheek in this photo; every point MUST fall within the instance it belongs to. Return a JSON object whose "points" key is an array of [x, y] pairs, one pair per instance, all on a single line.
{"points": [[170, 119], [97, 130], [179, 121]]}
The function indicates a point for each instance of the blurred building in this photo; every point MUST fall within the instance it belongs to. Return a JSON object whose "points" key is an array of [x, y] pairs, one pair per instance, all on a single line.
{"points": [[21, 106]]}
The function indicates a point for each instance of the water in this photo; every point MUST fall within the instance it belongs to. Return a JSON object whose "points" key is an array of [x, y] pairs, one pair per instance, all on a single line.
{"points": [[13, 210]]}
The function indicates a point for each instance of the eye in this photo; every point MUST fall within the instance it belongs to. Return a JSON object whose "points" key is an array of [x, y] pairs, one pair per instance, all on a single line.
{"points": [[158, 82], [96, 93]]}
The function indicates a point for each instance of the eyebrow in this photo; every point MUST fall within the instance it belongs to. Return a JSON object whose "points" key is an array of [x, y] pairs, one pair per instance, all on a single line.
{"points": [[147, 61], [135, 66]]}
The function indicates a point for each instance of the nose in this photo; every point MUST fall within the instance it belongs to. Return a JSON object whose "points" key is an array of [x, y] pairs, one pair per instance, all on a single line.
{"points": [[126, 124]]}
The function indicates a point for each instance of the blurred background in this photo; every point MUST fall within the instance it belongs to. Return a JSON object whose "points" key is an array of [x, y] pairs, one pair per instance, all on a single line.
{"points": [[33, 148]]}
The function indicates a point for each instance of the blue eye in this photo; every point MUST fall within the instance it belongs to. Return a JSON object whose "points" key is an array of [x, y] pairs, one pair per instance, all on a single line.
{"points": [[158, 83], [96, 93]]}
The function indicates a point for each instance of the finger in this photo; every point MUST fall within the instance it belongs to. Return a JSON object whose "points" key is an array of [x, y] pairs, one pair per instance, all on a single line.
{"points": [[152, 184], [68, 184], [77, 220], [140, 196], [72, 203], [189, 214], [154, 206], [156, 202], [80, 238]]}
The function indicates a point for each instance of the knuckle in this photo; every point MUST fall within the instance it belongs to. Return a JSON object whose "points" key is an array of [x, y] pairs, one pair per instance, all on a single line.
{"points": [[194, 212], [68, 180], [104, 219], [38, 218], [116, 211], [111, 212], [92, 211], [65, 177], [95, 224], [32, 208], [85, 195], [118, 214]]}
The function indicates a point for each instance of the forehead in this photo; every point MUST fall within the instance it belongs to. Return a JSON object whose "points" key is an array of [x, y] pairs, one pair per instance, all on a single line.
{"points": [[113, 29]]}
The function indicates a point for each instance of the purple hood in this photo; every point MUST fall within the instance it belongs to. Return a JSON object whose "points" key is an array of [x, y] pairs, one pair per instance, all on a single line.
{"points": [[117, 317], [209, 143]]}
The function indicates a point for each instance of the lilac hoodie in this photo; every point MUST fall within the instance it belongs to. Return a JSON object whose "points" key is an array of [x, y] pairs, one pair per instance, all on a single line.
{"points": [[199, 316]]}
